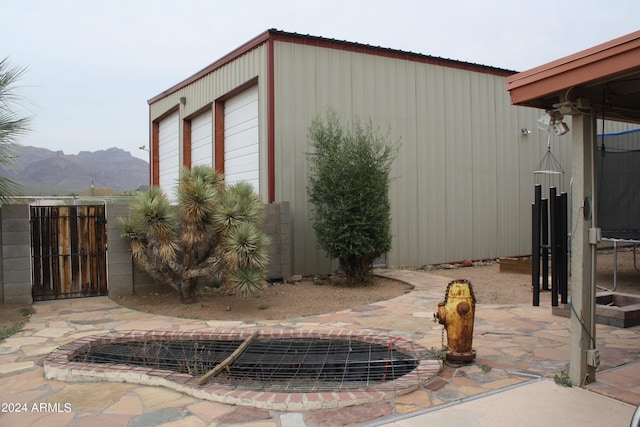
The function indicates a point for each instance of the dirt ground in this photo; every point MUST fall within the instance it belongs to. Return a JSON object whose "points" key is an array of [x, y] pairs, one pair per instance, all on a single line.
{"points": [[276, 301], [490, 286], [312, 297]]}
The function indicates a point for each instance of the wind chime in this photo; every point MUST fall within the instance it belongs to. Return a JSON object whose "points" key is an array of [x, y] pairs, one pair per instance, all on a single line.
{"points": [[549, 173]]}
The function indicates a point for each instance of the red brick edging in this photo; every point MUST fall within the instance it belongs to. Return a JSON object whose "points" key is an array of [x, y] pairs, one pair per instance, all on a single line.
{"points": [[58, 365]]}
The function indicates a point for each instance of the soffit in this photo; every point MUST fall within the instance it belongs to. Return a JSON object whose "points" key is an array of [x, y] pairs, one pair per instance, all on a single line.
{"points": [[608, 75]]}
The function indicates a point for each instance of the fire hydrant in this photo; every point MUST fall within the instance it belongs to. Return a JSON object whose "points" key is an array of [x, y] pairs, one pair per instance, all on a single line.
{"points": [[457, 314]]}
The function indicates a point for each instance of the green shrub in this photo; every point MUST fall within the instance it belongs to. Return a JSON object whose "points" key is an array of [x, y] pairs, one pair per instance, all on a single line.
{"points": [[349, 190]]}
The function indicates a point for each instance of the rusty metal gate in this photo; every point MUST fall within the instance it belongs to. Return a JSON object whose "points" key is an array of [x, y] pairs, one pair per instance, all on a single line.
{"points": [[68, 251]]}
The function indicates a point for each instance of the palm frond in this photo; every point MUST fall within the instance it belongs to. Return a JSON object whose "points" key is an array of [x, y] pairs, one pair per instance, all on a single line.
{"points": [[11, 125]]}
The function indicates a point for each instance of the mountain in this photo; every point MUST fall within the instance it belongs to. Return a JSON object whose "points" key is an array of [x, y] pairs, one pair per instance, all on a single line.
{"points": [[44, 172]]}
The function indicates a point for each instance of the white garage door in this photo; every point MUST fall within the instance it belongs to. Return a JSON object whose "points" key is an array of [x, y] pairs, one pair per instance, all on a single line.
{"points": [[241, 150], [202, 139], [168, 150]]}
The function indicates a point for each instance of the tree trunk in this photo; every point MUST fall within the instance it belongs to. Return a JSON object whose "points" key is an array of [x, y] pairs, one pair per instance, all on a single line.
{"points": [[188, 291], [357, 269]]}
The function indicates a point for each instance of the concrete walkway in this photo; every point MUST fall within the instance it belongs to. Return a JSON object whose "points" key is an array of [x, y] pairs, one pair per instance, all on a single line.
{"points": [[520, 349]]}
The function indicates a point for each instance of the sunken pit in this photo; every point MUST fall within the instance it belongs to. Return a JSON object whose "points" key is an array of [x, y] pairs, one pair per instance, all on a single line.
{"points": [[279, 370]]}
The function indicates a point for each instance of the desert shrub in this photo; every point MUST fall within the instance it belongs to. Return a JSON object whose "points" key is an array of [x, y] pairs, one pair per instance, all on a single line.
{"points": [[349, 189]]}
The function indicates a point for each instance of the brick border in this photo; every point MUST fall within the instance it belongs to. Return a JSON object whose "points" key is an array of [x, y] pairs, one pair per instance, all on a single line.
{"points": [[58, 365]]}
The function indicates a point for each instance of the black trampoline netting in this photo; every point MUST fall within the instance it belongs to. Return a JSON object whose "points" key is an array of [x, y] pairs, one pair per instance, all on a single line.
{"points": [[618, 163]]}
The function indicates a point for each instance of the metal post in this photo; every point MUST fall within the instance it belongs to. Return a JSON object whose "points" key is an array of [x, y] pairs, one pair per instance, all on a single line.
{"points": [[535, 246], [564, 246], [553, 208], [545, 244]]}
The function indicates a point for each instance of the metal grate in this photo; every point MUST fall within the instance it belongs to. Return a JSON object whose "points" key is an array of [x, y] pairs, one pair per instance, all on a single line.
{"points": [[186, 357], [303, 365]]}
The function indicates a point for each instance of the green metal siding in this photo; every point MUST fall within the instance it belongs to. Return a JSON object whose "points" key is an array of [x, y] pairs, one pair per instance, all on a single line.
{"points": [[463, 180]]}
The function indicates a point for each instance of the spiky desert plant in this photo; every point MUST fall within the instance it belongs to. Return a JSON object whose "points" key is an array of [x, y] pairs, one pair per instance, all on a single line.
{"points": [[243, 243], [211, 233]]}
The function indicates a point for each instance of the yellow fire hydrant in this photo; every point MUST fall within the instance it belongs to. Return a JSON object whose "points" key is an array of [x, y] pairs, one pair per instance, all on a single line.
{"points": [[457, 314]]}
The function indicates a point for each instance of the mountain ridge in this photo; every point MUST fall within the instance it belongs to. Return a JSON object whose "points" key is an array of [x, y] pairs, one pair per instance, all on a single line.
{"points": [[41, 171]]}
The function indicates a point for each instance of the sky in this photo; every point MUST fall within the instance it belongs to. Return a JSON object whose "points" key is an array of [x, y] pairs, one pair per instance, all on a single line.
{"points": [[93, 64]]}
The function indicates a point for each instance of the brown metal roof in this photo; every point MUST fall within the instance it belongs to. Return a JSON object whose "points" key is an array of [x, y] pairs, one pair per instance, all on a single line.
{"points": [[278, 35], [608, 75]]}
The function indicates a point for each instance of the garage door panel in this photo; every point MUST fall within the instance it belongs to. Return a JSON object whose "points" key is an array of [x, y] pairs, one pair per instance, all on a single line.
{"points": [[241, 152], [246, 162], [202, 139], [241, 138], [168, 153], [242, 116]]}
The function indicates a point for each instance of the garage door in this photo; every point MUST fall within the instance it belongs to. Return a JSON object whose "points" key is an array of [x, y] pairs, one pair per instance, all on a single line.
{"points": [[202, 139], [241, 150], [168, 150]]}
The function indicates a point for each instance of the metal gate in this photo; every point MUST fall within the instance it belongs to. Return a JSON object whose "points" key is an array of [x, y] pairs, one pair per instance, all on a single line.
{"points": [[68, 251]]}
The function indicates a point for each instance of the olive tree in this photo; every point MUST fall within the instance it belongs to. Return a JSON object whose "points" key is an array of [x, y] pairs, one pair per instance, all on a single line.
{"points": [[349, 190], [212, 233]]}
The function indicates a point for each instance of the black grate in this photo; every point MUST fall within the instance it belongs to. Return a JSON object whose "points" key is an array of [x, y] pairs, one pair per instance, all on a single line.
{"points": [[186, 357], [303, 365]]}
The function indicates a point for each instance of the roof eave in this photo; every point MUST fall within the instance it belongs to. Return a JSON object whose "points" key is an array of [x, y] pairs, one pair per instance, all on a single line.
{"points": [[616, 57]]}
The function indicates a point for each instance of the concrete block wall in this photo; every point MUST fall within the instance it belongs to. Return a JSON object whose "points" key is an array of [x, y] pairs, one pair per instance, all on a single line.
{"points": [[277, 224], [16, 254], [123, 277]]}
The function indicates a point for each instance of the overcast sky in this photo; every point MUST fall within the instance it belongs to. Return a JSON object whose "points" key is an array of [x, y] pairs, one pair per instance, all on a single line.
{"points": [[93, 64]]}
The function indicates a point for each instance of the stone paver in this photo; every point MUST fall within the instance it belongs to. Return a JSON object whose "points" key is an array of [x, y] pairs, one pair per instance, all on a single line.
{"points": [[127, 405], [516, 345], [9, 368]]}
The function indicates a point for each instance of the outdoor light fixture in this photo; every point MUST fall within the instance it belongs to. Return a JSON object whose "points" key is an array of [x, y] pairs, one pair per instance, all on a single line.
{"points": [[552, 120], [525, 131], [560, 128], [183, 100]]}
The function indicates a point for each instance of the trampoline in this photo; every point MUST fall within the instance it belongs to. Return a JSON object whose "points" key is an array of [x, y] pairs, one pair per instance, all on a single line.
{"points": [[619, 191]]}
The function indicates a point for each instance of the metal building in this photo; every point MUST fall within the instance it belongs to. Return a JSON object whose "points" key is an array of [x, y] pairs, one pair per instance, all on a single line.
{"points": [[463, 179]]}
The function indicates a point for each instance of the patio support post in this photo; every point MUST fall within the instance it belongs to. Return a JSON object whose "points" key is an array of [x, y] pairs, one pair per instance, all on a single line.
{"points": [[583, 133]]}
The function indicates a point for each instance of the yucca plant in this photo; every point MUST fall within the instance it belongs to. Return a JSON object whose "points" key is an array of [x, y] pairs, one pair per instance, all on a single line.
{"points": [[211, 233]]}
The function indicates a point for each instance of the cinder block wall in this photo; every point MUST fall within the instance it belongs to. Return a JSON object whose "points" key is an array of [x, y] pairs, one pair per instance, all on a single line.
{"points": [[123, 277], [276, 224], [16, 254]]}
